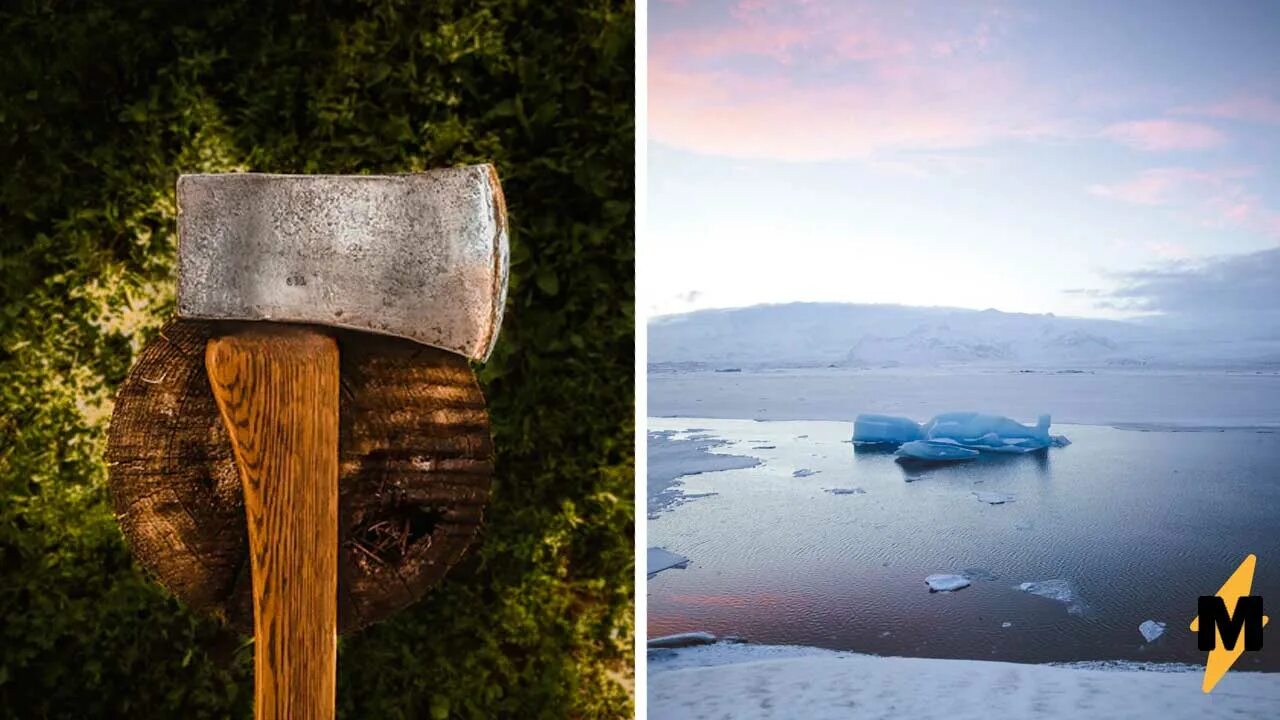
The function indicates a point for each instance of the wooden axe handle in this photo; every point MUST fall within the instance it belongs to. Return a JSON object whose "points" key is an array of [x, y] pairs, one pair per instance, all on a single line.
{"points": [[277, 390]]}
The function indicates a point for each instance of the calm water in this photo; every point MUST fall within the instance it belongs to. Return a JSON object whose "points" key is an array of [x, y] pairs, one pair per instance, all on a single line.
{"points": [[1139, 523]]}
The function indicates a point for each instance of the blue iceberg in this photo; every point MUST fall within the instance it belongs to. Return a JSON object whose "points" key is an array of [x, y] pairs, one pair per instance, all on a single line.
{"points": [[935, 451], [991, 433], [885, 430], [955, 436]]}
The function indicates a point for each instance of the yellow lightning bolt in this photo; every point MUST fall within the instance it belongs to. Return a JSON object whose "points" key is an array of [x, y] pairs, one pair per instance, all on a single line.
{"points": [[1221, 659]]}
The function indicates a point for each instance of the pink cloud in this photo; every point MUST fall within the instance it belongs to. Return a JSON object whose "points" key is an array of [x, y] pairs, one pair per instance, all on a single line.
{"points": [[1211, 198], [1161, 135], [739, 42], [1158, 186], [1251, 108], [721, 113], [820, 80]]}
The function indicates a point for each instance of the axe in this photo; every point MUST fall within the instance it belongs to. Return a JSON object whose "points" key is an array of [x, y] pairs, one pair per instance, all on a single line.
{"points": [[284, 269]]}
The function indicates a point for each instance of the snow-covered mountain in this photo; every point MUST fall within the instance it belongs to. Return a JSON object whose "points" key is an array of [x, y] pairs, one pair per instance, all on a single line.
{"points": [[847, 335]]}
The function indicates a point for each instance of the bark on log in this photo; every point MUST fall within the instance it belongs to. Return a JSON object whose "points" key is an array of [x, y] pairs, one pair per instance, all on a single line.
{"points": [[415, 465]]}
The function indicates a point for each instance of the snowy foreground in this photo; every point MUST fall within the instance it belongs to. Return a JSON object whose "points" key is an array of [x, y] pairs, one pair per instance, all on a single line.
{"points": [[745, 681]]}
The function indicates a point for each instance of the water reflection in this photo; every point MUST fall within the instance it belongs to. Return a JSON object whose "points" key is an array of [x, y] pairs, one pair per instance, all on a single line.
{"points": [[1139, 525]]}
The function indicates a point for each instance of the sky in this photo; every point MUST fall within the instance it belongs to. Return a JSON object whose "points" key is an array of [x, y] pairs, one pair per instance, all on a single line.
{"points": [[1101, 159]]}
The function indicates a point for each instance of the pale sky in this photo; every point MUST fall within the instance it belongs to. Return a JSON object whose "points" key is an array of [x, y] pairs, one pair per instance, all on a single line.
{"points": [[1081, 158]]}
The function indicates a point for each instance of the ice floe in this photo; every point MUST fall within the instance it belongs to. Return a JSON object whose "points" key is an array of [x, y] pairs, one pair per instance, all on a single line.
{"points": [[661, 559], [1060, 590], [682, 640], [993, 498], [1151, 630], [946, 583], [673, 456]]}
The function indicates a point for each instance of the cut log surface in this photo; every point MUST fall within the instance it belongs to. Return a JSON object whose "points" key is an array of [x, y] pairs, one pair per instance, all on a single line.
{"points": [[415, 465]]}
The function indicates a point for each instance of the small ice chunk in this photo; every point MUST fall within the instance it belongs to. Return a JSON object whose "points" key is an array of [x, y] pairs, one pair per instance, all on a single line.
{"points": [[1060, 590], [660, 559], [804, 472], [946, 583], [1151, 630], [846, 491], [681, 640], [884, 430], [1006, 624], [993, 498], [931, 451]]}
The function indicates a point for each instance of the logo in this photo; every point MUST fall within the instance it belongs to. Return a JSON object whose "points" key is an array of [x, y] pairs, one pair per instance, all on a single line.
{"points": [[1229, 624]]}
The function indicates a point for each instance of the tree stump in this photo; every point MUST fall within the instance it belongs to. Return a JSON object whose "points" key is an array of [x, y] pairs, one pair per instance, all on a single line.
{"points": [[415, 465]]}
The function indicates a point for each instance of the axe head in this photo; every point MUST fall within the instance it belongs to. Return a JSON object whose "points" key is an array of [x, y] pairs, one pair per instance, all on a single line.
{"points": [[421, 256]]}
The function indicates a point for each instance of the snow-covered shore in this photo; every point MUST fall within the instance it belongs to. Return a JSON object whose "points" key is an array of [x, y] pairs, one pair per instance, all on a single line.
{"points": [[751, 681], [676, 455]]}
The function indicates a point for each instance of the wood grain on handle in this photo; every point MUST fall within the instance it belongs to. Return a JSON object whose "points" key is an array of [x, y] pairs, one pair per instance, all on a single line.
{"points": [[277, 390]]}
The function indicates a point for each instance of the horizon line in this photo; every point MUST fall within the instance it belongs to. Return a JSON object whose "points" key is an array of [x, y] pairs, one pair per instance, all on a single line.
{"points": [[957, 308]]}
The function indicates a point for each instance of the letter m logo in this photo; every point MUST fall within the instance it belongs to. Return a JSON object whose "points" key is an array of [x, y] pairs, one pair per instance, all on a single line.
{"points": [[1215, 621]]}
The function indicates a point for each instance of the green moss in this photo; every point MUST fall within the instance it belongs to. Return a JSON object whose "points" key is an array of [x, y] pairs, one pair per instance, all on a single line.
{"points": [[102, 104]]}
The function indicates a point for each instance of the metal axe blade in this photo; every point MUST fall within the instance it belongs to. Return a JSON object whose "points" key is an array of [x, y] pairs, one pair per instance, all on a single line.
{"points": [[421, 256]]}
